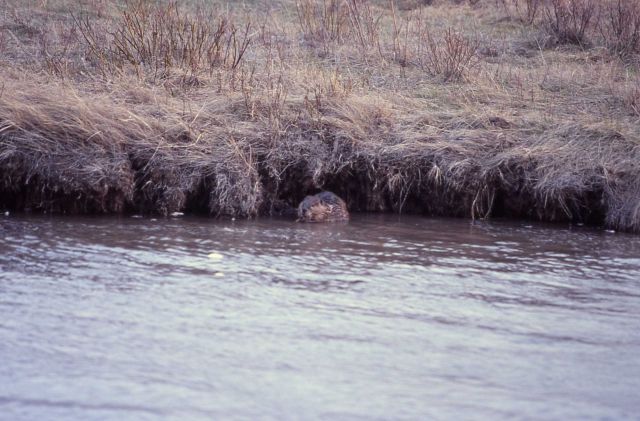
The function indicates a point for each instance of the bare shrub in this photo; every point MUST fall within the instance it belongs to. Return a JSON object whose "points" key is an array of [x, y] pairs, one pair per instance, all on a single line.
{"points": [[632, 97], [322, 21], [449, 56], [163, 37], [569, 21], [58, 43], [365, 23], [620, 26], [525, 11], [328, 21], [409, 4], [4, 38]]}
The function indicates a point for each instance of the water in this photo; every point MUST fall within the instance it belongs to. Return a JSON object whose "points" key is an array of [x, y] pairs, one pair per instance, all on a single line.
{"points": [[380, 318]]}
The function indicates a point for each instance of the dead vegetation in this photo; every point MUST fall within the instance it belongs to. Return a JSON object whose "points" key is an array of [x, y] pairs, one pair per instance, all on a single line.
{"points": [[620, 27], [165, 38], [569, 20], [430, 108]]}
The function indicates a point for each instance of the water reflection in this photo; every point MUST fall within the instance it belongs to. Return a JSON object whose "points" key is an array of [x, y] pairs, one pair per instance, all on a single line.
{"points": [[387, 317]]}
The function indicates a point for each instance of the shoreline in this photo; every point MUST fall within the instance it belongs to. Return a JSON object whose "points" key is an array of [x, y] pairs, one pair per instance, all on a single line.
{"points": [[112, 161], [9, 218], [520, 130]]}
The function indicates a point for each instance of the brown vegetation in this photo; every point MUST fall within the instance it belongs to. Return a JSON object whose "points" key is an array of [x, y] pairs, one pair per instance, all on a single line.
{"points": [[569, 20], [438, 107], [621, 26]]}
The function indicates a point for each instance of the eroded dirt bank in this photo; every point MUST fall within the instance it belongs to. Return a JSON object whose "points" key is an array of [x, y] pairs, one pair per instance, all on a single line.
{"points": [[62, 150]]}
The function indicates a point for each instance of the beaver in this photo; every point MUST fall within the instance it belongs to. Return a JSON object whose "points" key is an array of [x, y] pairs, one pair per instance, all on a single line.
{"points": [[322, 207]]}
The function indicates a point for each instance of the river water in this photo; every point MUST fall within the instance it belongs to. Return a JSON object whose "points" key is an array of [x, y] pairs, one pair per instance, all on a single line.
{"points": [[379, 318]]}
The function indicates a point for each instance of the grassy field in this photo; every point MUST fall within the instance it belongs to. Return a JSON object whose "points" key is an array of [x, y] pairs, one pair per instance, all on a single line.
{"points": [[518, 108]]}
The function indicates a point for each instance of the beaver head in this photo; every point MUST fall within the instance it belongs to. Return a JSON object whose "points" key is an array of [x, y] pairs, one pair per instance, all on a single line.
{"points": [[322, 207]]}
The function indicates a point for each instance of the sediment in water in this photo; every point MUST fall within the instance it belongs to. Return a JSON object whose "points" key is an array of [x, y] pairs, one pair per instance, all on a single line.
{"points": [[62, 150]]}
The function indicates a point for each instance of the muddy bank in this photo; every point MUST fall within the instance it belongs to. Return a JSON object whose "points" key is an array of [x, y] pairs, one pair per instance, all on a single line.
{"points": [[64, 150]]}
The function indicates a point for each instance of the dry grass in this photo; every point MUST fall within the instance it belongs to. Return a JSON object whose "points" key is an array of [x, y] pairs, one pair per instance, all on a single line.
{"points": [[527, 11], [620, 26], [428, 107], [161, 39], [569, 21], [450, 56]]}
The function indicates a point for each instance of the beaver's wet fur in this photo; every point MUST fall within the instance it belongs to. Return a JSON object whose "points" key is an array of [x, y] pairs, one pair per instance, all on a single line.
{"points": [[323, 207]]}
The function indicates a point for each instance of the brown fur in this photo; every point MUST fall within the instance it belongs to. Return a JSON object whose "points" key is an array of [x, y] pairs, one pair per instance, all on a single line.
{"points": [[322, 207]]}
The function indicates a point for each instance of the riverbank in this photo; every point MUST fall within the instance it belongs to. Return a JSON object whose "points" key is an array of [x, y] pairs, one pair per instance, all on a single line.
{"points": [[440, 109]]}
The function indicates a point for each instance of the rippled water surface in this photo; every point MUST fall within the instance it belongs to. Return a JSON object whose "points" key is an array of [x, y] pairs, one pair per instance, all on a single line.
{"points": [[379, 318]]}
